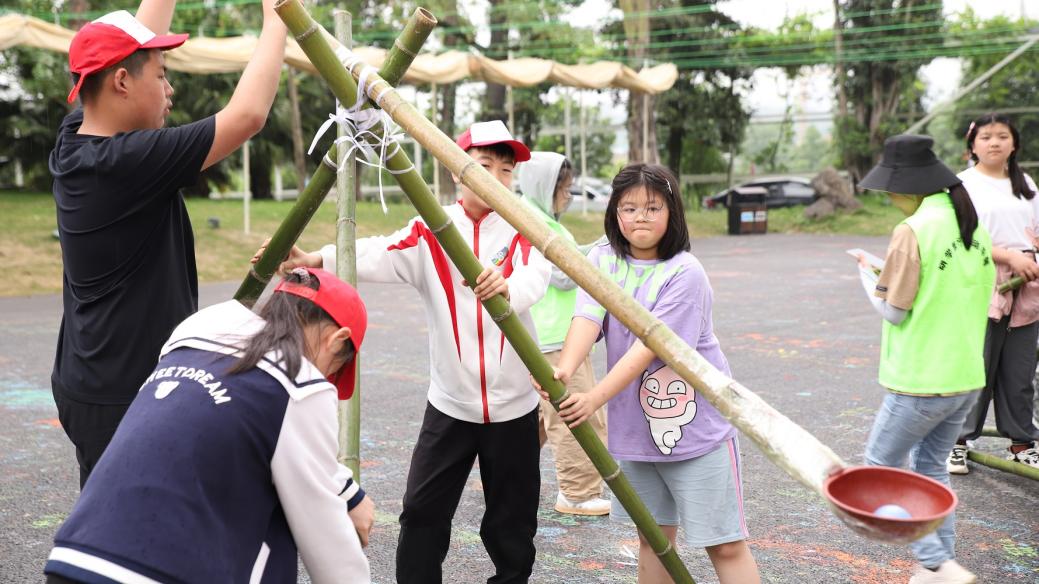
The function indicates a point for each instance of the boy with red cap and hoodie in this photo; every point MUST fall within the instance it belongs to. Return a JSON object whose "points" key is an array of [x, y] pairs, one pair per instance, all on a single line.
{"points": [[225, 464], [481, 403], [126, 240]]}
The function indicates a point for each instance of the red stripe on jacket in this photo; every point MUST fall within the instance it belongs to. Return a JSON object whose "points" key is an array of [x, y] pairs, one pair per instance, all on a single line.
{"points": [[479, 326], [443, 268]]}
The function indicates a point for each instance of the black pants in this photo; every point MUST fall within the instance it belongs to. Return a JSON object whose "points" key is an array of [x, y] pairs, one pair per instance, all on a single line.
{"points": [[1009, 375], [508, 453], [55, 579], [90, 427]]}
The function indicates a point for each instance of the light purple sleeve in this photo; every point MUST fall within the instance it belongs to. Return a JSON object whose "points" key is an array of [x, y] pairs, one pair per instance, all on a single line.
{"points": [[588, 307], [683, 303]]}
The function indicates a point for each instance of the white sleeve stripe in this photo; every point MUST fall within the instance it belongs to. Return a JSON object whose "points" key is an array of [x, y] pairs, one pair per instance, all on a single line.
{"points": [[261, 563], [98, 566]]}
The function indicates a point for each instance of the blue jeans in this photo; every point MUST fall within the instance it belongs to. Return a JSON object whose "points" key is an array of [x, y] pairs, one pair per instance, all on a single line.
{"points": [[924, 430]]}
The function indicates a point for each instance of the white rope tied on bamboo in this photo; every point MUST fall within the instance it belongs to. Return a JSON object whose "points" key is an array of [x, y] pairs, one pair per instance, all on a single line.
{"points": [[374, 149]]}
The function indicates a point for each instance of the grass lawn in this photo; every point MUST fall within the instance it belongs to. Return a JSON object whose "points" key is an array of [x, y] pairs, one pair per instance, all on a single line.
{"points": [[33, 258]]}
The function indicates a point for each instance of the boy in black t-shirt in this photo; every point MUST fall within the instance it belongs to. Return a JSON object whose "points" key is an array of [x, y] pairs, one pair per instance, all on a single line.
{"points": [[126, 239]]}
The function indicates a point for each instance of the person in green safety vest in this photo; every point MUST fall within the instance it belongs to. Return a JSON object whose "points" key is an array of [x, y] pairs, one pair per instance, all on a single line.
{"points": [[933, 293]]}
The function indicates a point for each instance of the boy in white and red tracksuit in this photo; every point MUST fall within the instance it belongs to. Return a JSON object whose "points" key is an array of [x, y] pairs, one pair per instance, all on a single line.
{"points": [[481, 403]]}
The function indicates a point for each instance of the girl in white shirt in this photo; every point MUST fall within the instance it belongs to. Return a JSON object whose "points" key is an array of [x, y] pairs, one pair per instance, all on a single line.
{"points": [[1007, 205]]}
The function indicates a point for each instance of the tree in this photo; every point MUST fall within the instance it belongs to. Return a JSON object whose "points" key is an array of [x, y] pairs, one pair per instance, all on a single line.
{"points": [[702, 112], [878, 92], [1014, 86], [642, 133]]}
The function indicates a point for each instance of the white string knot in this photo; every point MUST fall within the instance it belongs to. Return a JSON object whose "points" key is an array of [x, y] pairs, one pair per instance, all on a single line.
{"points": [[372, 149]]}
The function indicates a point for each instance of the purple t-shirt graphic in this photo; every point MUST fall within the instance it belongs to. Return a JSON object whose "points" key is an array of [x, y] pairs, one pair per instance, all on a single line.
{"points": [[658, 417]]}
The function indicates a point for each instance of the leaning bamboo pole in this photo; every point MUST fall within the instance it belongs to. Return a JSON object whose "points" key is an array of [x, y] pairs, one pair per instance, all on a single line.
{"points": [[289, 231], [410, 42], [786, 444], [798, 452], [320, 52], [1004, 465]]}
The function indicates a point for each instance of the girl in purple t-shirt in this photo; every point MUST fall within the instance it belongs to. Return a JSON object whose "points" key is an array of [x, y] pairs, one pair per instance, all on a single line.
{"points": [[679, 453]]}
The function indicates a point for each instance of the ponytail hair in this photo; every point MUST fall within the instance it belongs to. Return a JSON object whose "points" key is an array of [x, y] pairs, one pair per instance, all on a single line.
{"points": [[966, 216], [286, 316], [1018, 183]]}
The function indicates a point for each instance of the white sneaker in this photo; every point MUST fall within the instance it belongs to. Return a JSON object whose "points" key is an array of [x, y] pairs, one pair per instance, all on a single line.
{"points": [[1028, 457], [957, 462], [596, 506], [948, 573]]}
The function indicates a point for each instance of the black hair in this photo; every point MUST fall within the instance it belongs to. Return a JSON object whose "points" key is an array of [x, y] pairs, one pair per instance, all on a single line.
{"points": [[134, 64], [1017, 176], [966, 215], [286, 315], [502, 151], [659, 182], [566, 174]]}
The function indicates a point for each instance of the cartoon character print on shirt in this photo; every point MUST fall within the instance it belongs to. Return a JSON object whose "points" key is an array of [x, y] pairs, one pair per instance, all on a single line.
{"points": [[668, 403]]}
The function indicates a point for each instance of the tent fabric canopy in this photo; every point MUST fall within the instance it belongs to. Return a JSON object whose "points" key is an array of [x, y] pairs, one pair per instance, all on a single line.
{"points": [[224, 55]]}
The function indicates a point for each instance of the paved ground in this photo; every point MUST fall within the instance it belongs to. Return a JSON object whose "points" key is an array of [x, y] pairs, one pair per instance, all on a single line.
{"points": [[793, 322]]}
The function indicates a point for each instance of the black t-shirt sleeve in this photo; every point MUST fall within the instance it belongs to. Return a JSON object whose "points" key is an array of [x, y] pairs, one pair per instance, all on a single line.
{"points": [[159, 162]]}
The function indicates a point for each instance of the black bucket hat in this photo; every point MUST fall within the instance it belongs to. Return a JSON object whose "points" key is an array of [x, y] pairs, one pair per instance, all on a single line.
{"points": [[909, 167]]}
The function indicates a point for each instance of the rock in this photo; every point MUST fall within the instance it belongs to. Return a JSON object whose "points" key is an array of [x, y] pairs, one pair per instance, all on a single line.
{"points": [[830, 185], [822, 208]]}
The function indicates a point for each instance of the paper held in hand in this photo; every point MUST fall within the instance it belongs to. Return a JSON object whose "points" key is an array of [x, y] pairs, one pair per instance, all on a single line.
{"points": [[874, 262]]}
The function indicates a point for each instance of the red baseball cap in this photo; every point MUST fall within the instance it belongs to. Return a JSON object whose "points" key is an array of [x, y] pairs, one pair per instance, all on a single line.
{"points": [[342, 302], [489, 134], [110, 39]]}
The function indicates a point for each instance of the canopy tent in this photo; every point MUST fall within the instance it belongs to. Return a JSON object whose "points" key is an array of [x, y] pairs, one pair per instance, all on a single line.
{"points": [[224, 55]]}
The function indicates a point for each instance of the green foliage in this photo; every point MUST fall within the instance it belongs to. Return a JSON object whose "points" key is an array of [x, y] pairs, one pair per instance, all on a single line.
{"points": [[878, 91], [598, 135], [1014, 86], [702, 116]]}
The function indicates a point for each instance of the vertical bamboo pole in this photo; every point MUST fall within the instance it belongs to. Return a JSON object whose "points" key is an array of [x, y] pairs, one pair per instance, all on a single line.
{"points": [[346, 265], [319, 52]]}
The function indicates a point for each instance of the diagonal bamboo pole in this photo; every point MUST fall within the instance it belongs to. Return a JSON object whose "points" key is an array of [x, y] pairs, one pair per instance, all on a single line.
{"points": [[785, 443], [1004, 465], [415, 33], [289, 231], [320, 52]]}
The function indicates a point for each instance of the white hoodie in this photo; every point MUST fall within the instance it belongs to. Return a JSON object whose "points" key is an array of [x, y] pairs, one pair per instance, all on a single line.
{"points": [[475, 375]]}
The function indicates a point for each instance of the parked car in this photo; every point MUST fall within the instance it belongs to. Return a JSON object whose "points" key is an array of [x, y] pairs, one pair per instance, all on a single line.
{"points": [[596, 191], [783, 191]]}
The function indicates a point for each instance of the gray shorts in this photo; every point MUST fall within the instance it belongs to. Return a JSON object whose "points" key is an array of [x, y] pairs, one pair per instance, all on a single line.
{"points": [[703, 495]]}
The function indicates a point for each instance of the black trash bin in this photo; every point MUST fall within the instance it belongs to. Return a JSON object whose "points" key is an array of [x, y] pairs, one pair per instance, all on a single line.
{"points": [[747, 210]]}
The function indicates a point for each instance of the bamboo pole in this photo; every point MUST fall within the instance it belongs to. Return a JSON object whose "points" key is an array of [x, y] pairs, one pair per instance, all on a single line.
{"points": [[415, 33], [322, 56], [1011, 284], [789, 446], [289, 231], [990, 432], [346, 265], [798, 452], [1004, 465]]}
